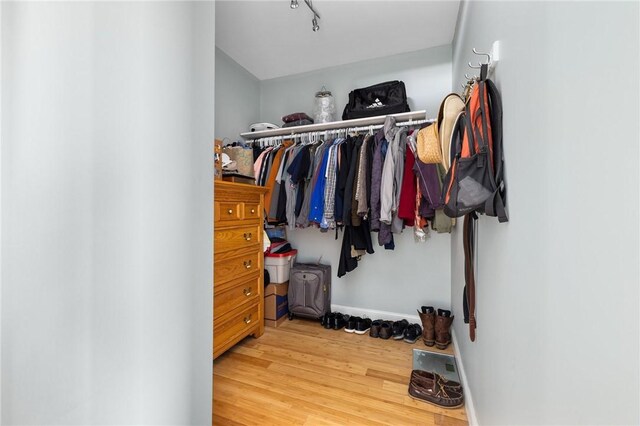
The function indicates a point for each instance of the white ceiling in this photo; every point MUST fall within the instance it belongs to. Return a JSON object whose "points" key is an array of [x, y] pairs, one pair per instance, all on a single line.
{"points": [[270, 39]]}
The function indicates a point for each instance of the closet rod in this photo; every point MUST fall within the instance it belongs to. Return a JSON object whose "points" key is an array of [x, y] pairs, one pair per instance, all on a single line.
{"points": [[344, 124], [350, 129]]}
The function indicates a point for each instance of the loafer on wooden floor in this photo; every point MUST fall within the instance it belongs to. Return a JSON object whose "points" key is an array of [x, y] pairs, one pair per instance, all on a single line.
{"points": [[374, 331], [427, 377], [436, 392], [386, 331]]}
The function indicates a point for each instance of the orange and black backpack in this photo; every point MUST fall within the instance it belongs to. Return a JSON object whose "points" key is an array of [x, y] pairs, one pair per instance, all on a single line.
{"points": [[474, 183]]}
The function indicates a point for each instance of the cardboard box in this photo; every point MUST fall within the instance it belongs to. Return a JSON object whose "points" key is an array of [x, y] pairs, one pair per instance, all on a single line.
{"points": [[276, 303], [276, 323]]}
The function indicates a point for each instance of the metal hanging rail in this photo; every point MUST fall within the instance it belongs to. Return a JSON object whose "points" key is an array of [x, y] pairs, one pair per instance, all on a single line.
{"points": [[409, 117]]}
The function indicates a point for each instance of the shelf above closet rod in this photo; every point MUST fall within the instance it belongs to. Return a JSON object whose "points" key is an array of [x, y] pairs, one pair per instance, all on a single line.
{"points": [[358, 122]]}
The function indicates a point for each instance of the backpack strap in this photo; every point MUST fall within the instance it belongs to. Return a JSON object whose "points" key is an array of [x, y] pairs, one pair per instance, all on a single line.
{"points": [[469, 301]]}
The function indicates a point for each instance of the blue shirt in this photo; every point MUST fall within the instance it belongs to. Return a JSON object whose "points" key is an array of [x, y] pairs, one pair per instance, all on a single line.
{"points": [[316, 209]]}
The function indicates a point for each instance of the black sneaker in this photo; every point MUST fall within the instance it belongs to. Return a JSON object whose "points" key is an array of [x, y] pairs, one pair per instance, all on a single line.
{"points": [[351, 324], [340, 321], [324, 319], [385, 330], [363, 325], [412, 332], [375, 328], [329, 319], [398, 328]]}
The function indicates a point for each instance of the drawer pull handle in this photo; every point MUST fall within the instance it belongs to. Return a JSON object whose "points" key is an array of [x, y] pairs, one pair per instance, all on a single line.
{"points": [[247, 264], [253, 211], [247, 319], [247, 291], [247, 236], [230, 211]]}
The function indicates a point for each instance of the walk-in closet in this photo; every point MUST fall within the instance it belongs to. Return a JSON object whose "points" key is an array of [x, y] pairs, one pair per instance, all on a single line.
{"points": [[305, 370], [320, 212], [389, 281]]}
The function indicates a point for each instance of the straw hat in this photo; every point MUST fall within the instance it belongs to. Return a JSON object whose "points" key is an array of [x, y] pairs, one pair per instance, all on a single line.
{"points": [[452, 144], [450, 108], [429, 150]]}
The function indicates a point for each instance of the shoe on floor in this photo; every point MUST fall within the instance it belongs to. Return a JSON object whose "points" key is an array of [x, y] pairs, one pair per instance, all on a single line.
{"points": [[435, 391], [375, 328], [329, 319], [340, 321], [444, 319], [352, 322], [412, 332], [363, 325], [428, 318], [398, 328], [386, 330], [425, 378]]}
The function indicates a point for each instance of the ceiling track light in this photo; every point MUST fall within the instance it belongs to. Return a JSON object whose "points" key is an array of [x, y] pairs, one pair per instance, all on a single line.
{"points": [[314, 21]]}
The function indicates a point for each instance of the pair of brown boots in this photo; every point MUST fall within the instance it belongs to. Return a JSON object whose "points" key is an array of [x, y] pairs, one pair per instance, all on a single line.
{"points": [[436, 326]]}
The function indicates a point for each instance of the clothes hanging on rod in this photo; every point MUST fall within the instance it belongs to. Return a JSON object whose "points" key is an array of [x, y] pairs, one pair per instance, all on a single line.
{"points": [[354, 183]]}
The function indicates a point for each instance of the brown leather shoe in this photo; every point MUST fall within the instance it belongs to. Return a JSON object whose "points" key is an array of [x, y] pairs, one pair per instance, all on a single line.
{"points": [[444, 319], [435, 391], [428, 318], [426, 377]]}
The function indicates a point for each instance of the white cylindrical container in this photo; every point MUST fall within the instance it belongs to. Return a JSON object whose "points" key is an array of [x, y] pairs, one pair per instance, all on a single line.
{"points": [[324, 109]]}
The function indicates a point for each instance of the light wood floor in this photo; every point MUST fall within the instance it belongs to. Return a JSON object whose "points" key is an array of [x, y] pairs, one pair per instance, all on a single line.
{"points": [[302, 374]]}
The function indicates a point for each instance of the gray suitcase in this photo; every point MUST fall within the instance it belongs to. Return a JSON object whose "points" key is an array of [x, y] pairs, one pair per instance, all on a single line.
{"points": [[309, 290]]}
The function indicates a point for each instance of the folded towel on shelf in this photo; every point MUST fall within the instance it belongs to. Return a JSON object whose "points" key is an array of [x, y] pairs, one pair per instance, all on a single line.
{"points": [[296, 116]]}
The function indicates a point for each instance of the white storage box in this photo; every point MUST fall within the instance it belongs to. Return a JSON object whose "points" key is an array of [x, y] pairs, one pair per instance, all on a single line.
{"points": [[279, 264]]}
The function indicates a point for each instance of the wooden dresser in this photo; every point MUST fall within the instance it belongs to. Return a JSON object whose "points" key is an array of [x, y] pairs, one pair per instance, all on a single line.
{"points": [[238, 301]]}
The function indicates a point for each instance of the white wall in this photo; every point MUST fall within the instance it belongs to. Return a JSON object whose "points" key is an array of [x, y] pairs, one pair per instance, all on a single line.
{"points": [[426, 75], [557, 287], [237, 98], [201, 202], [413, 274], [106, 180]]}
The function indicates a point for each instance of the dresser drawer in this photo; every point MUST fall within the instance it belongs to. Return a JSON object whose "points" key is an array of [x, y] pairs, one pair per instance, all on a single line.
{"points": [[228, 268], [241, 291], [235, 325], [227, 211], [237, 238], [252, 211]]}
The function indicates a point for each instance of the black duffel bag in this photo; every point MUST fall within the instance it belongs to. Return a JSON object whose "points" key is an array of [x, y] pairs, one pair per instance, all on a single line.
{"points": [[385, 98]]}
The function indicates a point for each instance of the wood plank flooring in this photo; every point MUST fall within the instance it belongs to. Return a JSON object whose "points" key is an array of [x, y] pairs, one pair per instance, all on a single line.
{"points": [[302, 374]]}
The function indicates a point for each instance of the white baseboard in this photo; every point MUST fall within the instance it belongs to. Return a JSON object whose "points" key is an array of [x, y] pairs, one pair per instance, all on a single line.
{"points": [[468, 399], [392, 316], [373, 314]]}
